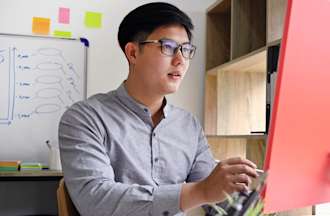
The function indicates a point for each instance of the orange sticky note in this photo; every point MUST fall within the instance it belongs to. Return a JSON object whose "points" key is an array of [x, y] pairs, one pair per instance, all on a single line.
{"points": [[40, 25]]}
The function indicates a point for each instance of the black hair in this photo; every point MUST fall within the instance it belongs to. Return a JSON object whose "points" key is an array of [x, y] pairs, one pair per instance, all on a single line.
{"points": [[143, 20]]}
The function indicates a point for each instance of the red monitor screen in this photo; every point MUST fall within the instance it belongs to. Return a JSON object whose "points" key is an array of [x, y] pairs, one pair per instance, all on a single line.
{"points": [[297, 157]]}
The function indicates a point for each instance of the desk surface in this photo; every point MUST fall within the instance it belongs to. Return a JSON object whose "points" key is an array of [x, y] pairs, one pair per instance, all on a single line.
{"points": [[31, 175]]}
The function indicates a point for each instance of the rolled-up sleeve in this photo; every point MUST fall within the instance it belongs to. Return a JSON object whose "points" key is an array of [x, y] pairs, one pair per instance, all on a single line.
{"points": [[90, 178]]}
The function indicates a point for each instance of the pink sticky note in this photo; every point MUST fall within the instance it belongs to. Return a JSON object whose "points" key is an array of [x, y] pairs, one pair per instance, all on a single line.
{"points": [[64, 15]]}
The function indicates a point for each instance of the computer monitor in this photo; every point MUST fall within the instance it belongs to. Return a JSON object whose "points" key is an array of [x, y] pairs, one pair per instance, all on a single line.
{"points": [[297, 157]]}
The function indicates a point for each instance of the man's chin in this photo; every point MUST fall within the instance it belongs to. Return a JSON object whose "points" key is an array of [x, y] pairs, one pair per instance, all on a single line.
{"points": [[172, 90]]}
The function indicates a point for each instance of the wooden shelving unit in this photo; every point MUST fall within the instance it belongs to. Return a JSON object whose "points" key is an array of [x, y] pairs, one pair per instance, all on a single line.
{"points": [[218, 34], [236, 96], [248, 26], [251, 147], [239, 33]]}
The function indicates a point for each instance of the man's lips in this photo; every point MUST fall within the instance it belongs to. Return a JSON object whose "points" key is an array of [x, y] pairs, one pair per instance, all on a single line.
{"points": [[175, 74]]}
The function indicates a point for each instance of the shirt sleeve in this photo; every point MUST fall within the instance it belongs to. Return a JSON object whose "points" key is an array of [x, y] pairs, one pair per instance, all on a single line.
{"points": [[204, 162], [91, 180]]}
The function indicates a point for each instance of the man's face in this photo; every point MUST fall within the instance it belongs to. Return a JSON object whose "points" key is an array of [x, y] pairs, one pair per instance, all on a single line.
{"points": [[159, 73]]}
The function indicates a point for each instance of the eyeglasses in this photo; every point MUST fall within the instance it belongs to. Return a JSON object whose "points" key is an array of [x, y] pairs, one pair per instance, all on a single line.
{"points": [[170, 47]]}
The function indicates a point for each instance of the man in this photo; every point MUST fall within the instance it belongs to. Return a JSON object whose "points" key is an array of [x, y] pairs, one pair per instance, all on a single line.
{"points": [[129, 152]]}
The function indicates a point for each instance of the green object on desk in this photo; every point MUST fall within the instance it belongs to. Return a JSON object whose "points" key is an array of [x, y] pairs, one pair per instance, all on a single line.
{"points": [[31, 166], [8, 168]]}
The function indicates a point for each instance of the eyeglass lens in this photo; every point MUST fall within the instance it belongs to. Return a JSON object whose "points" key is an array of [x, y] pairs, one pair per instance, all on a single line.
{"points": [[170, 47]]}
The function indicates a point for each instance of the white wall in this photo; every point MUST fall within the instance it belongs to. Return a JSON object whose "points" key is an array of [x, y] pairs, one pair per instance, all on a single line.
{"points": [[107, 65]]}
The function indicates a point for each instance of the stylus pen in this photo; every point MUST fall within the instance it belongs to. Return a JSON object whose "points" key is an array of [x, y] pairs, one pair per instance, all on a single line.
{"points": [[259, 171]]}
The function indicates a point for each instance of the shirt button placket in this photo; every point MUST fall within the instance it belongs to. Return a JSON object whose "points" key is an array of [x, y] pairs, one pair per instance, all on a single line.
{"points": [[155, 158]]}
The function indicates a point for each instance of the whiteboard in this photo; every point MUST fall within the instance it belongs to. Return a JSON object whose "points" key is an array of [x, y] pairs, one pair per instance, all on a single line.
{"points": [[40, 77]]}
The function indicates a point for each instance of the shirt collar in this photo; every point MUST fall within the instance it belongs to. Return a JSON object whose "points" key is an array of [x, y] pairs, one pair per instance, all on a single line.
{"points": [[137, 107]]}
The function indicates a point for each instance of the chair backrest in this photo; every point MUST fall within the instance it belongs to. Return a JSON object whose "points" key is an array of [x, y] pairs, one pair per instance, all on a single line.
{"points": [[65, 205]]}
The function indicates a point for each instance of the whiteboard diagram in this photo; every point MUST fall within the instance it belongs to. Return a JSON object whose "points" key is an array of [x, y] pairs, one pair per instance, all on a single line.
{"points": [[7, 81], [42, 81], [39, 79]]}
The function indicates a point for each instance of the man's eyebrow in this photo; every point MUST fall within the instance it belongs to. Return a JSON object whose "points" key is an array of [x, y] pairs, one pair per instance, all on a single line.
{"points": [[165, 38]]}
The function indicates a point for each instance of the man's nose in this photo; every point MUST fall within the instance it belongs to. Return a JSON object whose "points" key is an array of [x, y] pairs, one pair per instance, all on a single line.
{"points": [[178, 57]]}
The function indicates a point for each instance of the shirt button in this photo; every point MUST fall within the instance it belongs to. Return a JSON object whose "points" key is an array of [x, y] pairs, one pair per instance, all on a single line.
{"points": [[145, 110], [154, 134], [156, 159]]}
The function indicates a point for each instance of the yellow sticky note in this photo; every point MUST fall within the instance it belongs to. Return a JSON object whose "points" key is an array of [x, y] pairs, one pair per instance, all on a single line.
{"points": [[40, 25], [93, 19], [62, 34]]}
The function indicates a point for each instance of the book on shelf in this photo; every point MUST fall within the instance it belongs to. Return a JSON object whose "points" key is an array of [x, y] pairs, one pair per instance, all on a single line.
{"points": [[25, 166], [9, 165]]}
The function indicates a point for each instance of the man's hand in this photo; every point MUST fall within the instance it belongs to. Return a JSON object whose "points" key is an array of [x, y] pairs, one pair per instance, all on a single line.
{"points": [[233, 174]]}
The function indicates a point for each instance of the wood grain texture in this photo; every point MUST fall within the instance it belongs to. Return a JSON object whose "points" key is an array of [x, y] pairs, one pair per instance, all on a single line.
{"points": [[217, 38], [248, 26], [219, 6], [210, 105], [223, 148], [241, 102]]}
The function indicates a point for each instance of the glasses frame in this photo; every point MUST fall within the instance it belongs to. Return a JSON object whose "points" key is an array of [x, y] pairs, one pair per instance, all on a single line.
{"points": [[179, 47]]}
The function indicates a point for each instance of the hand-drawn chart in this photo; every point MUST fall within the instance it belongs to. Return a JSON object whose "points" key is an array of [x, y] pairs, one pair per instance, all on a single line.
{"points": [[7, 80], [39, 79], [42, 80]]}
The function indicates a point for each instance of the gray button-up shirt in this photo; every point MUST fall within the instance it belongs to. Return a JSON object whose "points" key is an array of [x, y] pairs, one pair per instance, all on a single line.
{"points": [[116, 162]]}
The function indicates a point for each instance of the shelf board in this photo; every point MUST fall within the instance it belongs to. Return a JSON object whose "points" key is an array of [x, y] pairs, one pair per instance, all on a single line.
{"points": [[219, 6], [255, 61], [252, 136], [274, 43]]}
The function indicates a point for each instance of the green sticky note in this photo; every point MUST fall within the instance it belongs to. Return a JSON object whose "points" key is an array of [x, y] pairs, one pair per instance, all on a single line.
{"points": [[62, 34], [93, 19]]}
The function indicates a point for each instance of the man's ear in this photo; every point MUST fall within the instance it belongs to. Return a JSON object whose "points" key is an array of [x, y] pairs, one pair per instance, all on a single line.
{"points": [[131, 52]]}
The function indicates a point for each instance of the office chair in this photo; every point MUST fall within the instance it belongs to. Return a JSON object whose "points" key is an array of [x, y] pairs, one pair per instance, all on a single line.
{"points": [[65, 205]]}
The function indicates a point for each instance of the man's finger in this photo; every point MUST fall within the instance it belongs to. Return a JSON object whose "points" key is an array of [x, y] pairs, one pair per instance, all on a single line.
{"points": [[239, 160], [241, 187], [242, 169], [242, 178]]}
